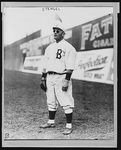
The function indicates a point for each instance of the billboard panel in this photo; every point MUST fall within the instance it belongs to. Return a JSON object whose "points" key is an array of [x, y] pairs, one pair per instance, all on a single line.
{"points": [[94, 65], [33, 64], [97, 34]]}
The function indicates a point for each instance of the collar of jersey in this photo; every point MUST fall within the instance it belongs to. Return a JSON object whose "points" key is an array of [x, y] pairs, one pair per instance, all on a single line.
{"points": [[59, 41]]}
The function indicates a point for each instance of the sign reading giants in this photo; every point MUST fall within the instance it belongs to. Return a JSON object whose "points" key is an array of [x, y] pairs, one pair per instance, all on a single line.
{"points": [[97, 34]]}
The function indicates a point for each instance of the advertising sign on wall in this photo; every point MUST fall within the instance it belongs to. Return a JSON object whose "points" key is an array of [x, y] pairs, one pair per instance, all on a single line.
{"points": [[97, 34], [93, 65], [33, 64]]}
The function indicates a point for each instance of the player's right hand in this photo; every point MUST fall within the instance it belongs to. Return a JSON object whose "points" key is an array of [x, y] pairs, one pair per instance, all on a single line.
{"points": [[43, 85]]}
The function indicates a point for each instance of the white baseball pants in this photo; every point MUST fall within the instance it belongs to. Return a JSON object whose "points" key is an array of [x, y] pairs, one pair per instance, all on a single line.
{"points": [[55, 94]]}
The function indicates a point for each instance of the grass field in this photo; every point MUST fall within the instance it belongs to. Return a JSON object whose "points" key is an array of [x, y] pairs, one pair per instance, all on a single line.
{"points": [[25, 109]]}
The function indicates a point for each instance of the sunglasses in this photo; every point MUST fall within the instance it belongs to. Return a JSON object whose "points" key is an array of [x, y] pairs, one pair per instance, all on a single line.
{"points": [[56, 30]]}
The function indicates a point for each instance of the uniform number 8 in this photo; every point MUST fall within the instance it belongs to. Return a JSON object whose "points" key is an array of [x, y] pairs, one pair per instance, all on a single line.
{"points": [[58, 54]]}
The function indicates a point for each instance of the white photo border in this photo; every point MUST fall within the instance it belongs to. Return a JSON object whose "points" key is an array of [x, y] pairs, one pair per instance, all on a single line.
{"points": [[67, 143]]}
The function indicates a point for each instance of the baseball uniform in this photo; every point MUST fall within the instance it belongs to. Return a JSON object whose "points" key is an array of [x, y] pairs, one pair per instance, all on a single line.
{"points": [[59, 57]]}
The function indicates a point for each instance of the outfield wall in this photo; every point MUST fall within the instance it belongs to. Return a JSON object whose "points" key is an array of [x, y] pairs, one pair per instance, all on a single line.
{"points": [[14, 56]]}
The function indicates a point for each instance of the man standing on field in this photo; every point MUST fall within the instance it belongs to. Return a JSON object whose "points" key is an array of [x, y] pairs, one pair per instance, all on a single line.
{"points": [[59, 62]]}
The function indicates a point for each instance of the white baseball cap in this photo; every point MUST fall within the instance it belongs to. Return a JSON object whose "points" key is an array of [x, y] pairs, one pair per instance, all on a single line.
{"points": [[59, 26]]}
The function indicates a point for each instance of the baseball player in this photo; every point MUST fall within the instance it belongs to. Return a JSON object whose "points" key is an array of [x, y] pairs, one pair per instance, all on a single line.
{"points": [[59, 62]]}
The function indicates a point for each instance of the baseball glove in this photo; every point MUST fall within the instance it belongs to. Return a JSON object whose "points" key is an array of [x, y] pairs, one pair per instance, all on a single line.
{"points": [[43, 85]]}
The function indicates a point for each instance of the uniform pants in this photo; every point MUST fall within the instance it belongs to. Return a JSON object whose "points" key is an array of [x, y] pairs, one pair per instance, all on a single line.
{"points": [[55, 94]]}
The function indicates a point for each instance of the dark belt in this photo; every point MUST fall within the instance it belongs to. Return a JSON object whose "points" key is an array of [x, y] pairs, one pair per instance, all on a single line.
{"points": [[52, 72]]}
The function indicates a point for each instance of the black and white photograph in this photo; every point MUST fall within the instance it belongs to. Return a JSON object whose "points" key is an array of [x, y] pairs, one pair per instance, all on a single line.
{"points": [[59, 74]]}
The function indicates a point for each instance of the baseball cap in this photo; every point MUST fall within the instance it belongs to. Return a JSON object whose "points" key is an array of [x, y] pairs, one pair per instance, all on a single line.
{"points": [[59, 26]]}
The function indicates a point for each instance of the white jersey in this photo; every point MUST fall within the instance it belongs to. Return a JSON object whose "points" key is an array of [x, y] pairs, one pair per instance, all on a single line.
{"points": [[59, 56]]}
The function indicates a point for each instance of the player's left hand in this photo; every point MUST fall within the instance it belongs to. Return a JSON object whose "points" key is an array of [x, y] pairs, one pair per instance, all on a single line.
{"points": [[65, 85]]}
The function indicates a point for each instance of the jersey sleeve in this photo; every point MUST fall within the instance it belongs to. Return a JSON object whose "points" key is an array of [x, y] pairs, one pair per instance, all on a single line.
{"points": [[45, 59], [70, 58]]}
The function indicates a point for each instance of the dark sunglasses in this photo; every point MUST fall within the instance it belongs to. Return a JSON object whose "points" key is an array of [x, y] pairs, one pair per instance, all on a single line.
{"points": [[56, 30]]}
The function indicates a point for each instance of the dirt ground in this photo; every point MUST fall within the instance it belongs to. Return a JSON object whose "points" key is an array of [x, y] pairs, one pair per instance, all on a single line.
{"points": [[25, 109]]}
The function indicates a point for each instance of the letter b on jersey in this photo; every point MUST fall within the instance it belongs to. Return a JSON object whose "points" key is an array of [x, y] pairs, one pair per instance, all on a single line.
{"points": [[58, 54]]}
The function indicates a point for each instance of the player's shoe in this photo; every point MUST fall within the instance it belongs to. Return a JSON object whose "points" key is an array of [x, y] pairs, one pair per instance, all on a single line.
{"points": [[47, 125], [67, 131]]}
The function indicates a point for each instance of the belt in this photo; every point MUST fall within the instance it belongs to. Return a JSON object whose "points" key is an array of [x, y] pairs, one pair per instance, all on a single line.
{"points": [[52, 72]]}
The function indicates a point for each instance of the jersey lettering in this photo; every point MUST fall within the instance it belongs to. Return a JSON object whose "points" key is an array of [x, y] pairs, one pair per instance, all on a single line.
{"points": [[58, 54]]}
